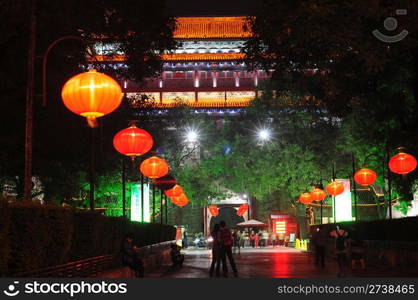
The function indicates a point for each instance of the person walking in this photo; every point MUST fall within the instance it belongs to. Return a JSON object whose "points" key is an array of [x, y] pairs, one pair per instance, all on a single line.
{"points": [[265, 238], [252, 239], [216, 251], [225, 238], [128, 252], [256, 240], [319, 242], [340, 236], [245, 238], [357, 253], [185, 240], [237, 241], [273, 239]]}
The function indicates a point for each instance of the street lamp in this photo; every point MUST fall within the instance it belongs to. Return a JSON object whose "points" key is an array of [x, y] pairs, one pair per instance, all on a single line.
{"points": [[30, 94], [92, 95], [191, 136], [264, 135]]}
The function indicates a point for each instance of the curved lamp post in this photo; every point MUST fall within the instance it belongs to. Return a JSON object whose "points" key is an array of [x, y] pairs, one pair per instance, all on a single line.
{"points": [[30, 94]]}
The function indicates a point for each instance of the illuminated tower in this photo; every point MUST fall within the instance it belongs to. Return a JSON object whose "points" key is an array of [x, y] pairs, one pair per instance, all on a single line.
{"points": [[208, 70]]}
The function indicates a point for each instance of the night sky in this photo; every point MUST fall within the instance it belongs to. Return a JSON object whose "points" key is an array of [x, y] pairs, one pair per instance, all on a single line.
{"points": [[210, 7]]}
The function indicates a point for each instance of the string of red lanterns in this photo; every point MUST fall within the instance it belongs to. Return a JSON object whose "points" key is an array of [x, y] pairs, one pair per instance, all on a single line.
{"points": [[93, 94], [334, 188], [134, 142], [401, 163]]}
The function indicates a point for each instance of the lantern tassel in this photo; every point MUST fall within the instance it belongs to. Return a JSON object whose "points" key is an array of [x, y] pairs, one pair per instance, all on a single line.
{"points": [[92, 122]]}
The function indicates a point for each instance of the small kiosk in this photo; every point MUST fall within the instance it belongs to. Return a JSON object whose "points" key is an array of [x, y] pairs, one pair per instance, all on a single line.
{"points": [[285, 226]]}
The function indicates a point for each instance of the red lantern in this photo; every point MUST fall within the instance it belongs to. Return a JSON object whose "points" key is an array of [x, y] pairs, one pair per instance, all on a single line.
{"points": [[154, 167], [133, 141], [402, 163], [174, 192], [335, 188], [165, 183], [213, 209], [176, 199], [305, 198], [242, 209], [317, 194], [91, 94], [365, 177], [181, 200]]}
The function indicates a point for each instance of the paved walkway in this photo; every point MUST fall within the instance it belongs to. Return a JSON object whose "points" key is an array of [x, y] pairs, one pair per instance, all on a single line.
{"points": [[279, 262]]}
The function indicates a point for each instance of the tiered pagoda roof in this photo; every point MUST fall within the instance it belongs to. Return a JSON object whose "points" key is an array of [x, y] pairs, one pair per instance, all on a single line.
{"points": [[212, 28]]}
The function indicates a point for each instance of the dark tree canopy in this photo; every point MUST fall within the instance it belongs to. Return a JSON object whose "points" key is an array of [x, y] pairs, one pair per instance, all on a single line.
{"points": [[326, 50], [141, 29]]}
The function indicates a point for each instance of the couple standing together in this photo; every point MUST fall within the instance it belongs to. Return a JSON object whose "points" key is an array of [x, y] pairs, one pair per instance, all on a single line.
{"points": [[222, 248]]}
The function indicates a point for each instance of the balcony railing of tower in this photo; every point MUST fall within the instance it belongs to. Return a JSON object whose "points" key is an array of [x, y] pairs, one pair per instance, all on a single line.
{"points": [[205, 66], [205, 74], [216, 100], [181, 57], [220, 105], [190, 85], [210, 111]]}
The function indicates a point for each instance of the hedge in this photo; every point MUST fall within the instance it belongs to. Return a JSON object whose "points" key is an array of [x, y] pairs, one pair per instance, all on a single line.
{"points": [[4, 240], [402, 230], [35, 236]]}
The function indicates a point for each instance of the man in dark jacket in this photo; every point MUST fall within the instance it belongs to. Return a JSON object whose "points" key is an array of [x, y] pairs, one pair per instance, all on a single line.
{"points": [[319, 241], [225, 240], [127, 252], [340, 236]]}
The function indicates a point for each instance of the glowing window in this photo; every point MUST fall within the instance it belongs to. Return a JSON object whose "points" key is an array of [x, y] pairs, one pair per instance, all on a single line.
{"points": [[280, 227]]}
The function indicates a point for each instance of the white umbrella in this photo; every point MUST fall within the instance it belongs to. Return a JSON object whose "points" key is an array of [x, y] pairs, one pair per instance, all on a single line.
{"points": [[251, 223]]}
